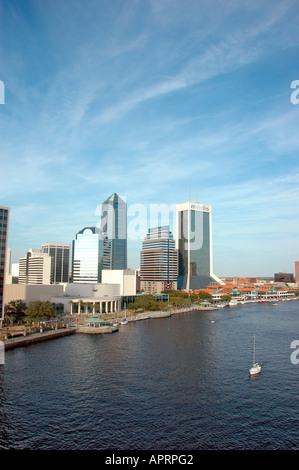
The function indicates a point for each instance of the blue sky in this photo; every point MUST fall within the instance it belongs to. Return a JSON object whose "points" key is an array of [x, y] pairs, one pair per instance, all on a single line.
{"points": [[153, 100]]}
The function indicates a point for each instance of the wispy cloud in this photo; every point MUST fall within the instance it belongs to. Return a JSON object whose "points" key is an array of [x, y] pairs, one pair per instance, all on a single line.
{"points": [[236, 49], [150, 99]]}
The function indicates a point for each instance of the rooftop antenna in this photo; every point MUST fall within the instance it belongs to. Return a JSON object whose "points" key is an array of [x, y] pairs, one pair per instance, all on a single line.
{"points": [[189, 196]]}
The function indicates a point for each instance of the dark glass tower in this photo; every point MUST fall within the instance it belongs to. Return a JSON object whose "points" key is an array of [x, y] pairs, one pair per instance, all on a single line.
{"points": [[60, 260], [4, 221], [194, 242], [114, 227]]}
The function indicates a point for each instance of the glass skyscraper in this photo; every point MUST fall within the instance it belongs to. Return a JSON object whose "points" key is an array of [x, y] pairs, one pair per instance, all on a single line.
{"points": [[194, 243], [4, 221], [114, 228], [91, 254]]}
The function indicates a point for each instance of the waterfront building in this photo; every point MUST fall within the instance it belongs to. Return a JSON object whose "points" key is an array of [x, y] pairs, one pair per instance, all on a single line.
{"points": [[194, 244], [248, 293], [35, 268], [284, 277], [114, 228], [297, 272], [60, 259], [90, 298], [74, 298], [158, 261], [91, 254], [240, 280], [4, 223], [32, 292]]}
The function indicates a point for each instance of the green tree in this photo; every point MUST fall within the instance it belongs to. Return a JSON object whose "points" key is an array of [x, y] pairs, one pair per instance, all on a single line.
{"points": [[15, 310], [205, 296], [40, 311], [177, 297], [147, 302], [226, 297], [160, 305]]}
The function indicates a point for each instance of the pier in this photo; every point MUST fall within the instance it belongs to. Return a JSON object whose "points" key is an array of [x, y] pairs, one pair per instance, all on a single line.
{"points": [[21, 341]]}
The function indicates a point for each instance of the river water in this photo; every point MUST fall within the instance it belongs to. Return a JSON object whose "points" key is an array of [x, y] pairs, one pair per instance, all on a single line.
{"points": [[174, 383]]}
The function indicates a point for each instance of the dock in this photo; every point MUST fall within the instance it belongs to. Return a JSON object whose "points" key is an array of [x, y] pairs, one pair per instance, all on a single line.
{"points": [[21, 341]]}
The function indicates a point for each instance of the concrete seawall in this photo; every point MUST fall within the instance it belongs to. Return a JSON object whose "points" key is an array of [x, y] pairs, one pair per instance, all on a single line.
{"points": [[162, 314], [37, 338], [97, 330]]}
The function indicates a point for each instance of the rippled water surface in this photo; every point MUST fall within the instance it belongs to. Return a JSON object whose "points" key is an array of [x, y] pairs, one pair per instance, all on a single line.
{"points": [[174, 383]]}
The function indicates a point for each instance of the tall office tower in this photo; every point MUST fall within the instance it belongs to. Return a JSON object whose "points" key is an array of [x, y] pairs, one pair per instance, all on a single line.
{"points": [[35, 268], [194, 243], [4, 222], [60, 260], [114, 227], [158, 261], [297, 272], [8, 275], [91, 254]]}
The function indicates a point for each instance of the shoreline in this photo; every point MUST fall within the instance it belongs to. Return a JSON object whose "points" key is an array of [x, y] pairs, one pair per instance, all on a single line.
{"points": [[32, 338], [28, 339]]}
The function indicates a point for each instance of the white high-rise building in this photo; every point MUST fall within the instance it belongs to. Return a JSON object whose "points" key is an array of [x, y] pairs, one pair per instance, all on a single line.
{"points": [[35, 268], [194, 243]]}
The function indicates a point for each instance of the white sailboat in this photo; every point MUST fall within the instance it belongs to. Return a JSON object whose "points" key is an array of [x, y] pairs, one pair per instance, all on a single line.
{"points": [[256, 368]]}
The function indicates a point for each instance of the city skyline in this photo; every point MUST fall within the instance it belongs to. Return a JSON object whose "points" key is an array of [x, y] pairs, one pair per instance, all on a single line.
{"points": [[160, 103]]}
